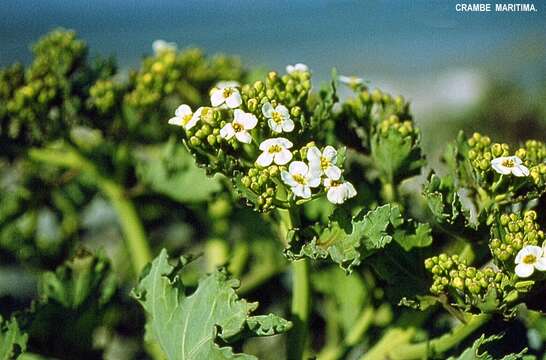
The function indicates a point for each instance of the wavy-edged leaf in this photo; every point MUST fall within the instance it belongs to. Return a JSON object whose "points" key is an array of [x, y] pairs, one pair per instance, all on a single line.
{"points": [[473, 352], [421, 237], [347, 241], [12, 340], [187, 326]]}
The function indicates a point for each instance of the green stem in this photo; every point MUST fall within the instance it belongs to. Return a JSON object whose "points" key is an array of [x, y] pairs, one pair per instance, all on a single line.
{"points": [[300, 309], [301, 292], [133, 230], [441, 344]]}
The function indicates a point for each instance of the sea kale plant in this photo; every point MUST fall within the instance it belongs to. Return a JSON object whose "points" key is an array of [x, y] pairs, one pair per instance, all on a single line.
{"points": [[146, 214]]}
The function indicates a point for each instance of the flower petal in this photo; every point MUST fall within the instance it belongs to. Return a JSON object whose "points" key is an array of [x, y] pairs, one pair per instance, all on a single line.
{"points": [[524, 270], [288, 125], [283, 157], [520, 171], [281, 109], [234, 100], [298, 167], [313, 155], [284, 142], [244, 137], [501, 169], [177, 120], [301, 191], [249, 121], [541, 264], [288, 179], [351, 191], [265, 159], [330, 153], [183, 110], [267, 109], [335, 195], [217, 97], [333, 172], [227, 131], [275, 127]]}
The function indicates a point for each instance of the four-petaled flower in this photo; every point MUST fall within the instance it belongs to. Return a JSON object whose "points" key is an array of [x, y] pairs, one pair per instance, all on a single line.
{"points": [[324, 161], [275, 150], [338, 191], [183, 116], [228, 95], [278, 118], [528, 259], [297, 67], [510, 165], [242, 122], [160, 46], [352, 81], [301, 178]]}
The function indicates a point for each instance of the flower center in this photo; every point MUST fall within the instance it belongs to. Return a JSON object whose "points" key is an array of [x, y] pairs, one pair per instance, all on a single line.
{"points": [[324, 163], [334, 183], [237, 127], [274, 149], [186, 119], [300, 179], [529, 259], [508, 163], [228, 92], [277, 117]]}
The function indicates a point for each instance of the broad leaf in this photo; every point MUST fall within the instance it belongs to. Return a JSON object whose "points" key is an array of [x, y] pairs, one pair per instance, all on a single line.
{"points": [[347, 241], [170, 170], [420, 238], [187, 326], [12, 340]]}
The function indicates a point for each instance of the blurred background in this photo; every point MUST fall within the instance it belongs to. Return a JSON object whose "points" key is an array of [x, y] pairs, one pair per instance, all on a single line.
{"points": [[450, 65]]}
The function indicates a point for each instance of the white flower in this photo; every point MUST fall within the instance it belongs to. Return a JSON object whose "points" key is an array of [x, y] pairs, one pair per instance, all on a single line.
{"points": [[183, 116], [297, 67], [509, 164], [160, 46], [275, 150], [242, 122], [228, 95], [528, 259], [324, 161], [300, 178], [352, 81], [278, 117], [338, 191], [227, 84]]}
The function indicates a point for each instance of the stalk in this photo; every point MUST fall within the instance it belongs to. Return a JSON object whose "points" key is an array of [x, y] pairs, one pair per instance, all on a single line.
{"points": [[301, 299], [131, 226]]}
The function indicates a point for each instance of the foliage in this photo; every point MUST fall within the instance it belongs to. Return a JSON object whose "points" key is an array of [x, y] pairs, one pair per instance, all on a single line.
{"points": [[324, 207]]}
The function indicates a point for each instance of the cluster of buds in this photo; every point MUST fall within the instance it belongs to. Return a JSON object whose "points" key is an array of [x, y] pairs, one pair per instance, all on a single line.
{"points": [[103, 96], [254, 134], [393, 122], [185, 75], [47, 84], [535, 153], [452, 273], [516, 232]]}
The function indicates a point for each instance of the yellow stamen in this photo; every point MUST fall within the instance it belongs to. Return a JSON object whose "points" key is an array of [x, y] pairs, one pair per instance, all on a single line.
{"points": [[277, 117], [529, 259], [186, 119], [300, 179], [324, 163], [228, 92], [274, 149], [508, 163]]}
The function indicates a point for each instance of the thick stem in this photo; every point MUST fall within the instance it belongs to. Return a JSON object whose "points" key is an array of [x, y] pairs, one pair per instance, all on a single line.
{"points": [[133, 230], [301, 292], [300, 309], [441, 344]]}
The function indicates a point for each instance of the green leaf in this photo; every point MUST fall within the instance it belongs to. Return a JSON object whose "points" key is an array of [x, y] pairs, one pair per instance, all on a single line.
{"points": [[396, 156], [347, 242], [187, 326], [12, 341], [82, 278], [170, 170], [473, 352], [421, 237]]}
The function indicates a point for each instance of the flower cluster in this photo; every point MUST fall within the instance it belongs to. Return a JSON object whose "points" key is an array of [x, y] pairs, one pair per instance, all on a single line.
{"points": [[393, 122], [450, 273], [515, 233], [253, 134], [184, 75], [104, 95]]}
